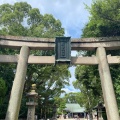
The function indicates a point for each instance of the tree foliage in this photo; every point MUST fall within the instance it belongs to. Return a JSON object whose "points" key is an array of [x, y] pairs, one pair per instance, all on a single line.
{"points": [[89, 84], [104, 21], [3, 89], [21, 19]]}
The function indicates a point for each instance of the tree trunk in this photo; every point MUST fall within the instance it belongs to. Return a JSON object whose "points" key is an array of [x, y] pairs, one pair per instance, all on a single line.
{"points": [[90, 116]]}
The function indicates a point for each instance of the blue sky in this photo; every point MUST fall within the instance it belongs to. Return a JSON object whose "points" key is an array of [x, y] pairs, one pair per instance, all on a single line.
{"points": [[71, 13]]}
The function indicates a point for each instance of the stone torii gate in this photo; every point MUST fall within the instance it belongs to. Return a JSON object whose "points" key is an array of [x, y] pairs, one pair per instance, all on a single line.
{"points": [[28, 43]]}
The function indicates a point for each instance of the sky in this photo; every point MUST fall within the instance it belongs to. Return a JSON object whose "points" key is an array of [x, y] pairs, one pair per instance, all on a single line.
{"points": [[71, 13]]}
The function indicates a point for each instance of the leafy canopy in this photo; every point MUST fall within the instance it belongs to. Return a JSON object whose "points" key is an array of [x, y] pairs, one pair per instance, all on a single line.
{"points": [[21, 19], [104, 21]]}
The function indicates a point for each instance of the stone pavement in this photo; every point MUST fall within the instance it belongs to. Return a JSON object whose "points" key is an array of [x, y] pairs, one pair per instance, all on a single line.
{"points": [[74, 119]]}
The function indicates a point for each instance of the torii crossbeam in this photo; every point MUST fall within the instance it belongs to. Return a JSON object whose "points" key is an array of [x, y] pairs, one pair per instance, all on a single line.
{"points": [[29, 43]]}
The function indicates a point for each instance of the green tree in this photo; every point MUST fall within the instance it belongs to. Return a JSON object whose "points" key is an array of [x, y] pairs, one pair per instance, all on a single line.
{"points": [[89, 84], [3, 89], [103, 22], [61, 105], [21, 19], [70, 97], [104, 19]]}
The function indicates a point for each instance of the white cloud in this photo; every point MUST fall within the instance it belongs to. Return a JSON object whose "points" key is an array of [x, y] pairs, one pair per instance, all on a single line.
{"points": [[70, 89], [7, 1], [71, 13], [74, 53], [66, 90]]}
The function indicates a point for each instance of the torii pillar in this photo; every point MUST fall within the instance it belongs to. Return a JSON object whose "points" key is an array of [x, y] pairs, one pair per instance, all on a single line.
{"points": [[107, 85], [18, 85]]}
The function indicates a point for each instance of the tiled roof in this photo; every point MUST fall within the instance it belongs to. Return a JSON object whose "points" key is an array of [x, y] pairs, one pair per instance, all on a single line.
{"points": [[74, 108]]}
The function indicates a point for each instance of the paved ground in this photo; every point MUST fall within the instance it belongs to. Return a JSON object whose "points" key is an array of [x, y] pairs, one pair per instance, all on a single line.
{"points": [[73, 119], [78, 119]]}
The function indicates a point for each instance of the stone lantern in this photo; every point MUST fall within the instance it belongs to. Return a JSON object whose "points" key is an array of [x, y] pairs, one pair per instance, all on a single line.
{"points": [[32, 95]]}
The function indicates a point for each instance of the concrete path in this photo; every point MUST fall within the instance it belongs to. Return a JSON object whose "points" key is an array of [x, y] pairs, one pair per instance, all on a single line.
{"points": [[73, 119]]}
